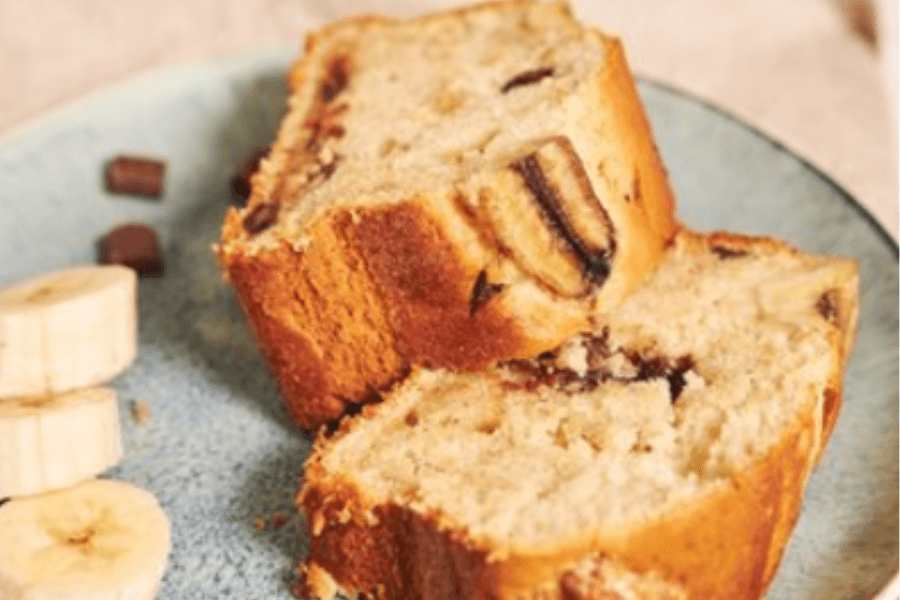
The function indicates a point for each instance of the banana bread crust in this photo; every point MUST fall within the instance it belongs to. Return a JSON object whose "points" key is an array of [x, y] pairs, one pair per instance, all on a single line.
{"points": [[382, 552]]}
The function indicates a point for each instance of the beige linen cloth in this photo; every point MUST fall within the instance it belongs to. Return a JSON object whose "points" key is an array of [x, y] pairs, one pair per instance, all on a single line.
{"points": [[793, 68]]}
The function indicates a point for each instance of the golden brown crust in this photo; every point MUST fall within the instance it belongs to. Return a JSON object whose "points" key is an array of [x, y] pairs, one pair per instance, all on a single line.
{"points": [[649, 210], [393, 552], [389, 551], [319, 322], [724, 547], [375, 292], [428, 287]]}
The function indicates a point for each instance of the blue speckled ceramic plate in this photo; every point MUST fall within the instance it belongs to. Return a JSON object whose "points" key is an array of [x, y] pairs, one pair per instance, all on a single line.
{"points": [[219, 452]]}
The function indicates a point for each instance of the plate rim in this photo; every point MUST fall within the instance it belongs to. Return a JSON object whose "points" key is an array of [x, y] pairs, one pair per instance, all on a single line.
{"points": [[780, 146]]}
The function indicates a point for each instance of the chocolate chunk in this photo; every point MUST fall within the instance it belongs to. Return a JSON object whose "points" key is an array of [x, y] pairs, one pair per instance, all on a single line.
{"points": [[482, 291], [523, 366], [570, 587], [240, 183], [373, 396], [135, 246], [676, 378], [594, 262], [527, 78], [566, 377], [827, 305], [650, 368], [597, 346], [336, 78], [5, 500], [724, 252], [543, 371], [331, 427], [138, 176], [677, 383], [526, 374], [354, 408], [656, 367], [240, 190], [261, 217]]}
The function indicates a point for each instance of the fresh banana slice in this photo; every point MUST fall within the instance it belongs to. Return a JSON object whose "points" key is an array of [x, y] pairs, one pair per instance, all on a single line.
{"points": [[49, 442], [99, 540], [68, 329]]}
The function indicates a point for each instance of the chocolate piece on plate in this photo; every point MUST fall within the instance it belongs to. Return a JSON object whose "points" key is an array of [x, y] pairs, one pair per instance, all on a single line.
{"points": [[135, 246], [137, 176]]}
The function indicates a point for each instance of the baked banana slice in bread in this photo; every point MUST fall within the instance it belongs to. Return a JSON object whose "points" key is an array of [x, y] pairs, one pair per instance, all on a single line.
{"points": [[444, 191], [669, 448]]}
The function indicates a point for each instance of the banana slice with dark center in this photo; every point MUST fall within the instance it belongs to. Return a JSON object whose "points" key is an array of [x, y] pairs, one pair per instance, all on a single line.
{"points": [[545, 213]]}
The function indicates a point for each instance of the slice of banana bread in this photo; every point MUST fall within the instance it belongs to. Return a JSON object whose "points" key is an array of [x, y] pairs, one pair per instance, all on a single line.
{"points": [[444, 191], [672, 443]]}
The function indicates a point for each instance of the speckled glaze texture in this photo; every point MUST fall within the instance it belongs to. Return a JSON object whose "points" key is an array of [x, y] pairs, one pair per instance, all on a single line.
{"points": [[219, 451]]}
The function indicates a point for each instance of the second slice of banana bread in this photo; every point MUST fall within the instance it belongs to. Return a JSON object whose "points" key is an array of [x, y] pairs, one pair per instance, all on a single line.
{"points": [[662, 455]]}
